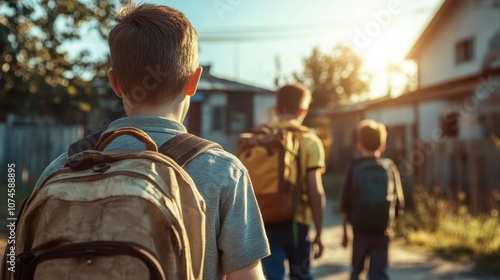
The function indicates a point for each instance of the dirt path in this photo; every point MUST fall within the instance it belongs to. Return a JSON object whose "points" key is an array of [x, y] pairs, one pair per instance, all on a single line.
{"points": [[404, 264]]}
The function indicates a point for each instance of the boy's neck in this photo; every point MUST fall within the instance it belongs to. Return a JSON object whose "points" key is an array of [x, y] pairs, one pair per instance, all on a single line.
{"points": [[375, 154], [172, 110], [284, 119]]}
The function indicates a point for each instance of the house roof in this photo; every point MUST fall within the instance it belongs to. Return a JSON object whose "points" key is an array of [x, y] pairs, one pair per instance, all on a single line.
{"points": [[458, 87], [433, 25], [209, 82], [349, 108]]}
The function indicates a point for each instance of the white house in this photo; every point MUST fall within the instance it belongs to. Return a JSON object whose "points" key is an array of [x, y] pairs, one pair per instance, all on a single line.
{"points": [[447, 132], [458, 57], [460, 48]]}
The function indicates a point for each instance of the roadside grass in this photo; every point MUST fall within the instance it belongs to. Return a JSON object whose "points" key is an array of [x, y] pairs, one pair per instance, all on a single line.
{"points": [[451, 231], [435, 225]]}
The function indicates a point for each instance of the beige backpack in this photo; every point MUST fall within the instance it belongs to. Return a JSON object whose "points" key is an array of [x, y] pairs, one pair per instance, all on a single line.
{"points": [[115, 215], [271, 155]]}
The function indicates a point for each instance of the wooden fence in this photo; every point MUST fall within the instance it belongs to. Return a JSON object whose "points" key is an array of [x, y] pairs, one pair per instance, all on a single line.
{"points": [[456, 166], [32, 147]]}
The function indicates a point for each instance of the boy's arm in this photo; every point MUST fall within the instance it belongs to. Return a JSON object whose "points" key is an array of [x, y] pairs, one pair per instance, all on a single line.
{"points": [[317, 201], [400, 203], [345, 238], [252, 271], [345, 198], [242, 240], [345, 204]]}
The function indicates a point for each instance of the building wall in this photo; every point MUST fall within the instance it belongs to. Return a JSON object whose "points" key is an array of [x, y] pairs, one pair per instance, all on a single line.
{"points": [[436, 60], [344, 144], [470, 128], [399, 120], [262, 111], [429, 113], [212, 100], [390, 116], [257, 113]]}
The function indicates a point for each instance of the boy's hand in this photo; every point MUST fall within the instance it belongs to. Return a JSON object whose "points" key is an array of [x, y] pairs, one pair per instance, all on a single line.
{"points": [[345, 240], [317, 247]]}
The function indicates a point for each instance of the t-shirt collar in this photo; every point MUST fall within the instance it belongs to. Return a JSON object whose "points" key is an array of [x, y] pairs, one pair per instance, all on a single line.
{"points": [[148, 123]]}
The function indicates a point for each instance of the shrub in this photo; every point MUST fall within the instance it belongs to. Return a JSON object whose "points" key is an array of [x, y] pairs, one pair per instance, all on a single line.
{"points": [[450, 230]]}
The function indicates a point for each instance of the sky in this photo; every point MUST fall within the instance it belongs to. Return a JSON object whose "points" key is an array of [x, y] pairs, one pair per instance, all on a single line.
{"points": [[242, 40]]}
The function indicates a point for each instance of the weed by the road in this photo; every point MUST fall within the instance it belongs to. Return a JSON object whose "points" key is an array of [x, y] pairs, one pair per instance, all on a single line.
{"points": [[452, 231]]}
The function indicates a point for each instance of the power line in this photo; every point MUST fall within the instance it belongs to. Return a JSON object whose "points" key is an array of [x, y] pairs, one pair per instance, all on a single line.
{"points": [[278, 32]]}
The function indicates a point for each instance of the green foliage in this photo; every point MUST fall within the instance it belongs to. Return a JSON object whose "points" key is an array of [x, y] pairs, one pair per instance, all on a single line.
{"points": [[451, 230], [332, 183], [334, 77], [36, 74]]}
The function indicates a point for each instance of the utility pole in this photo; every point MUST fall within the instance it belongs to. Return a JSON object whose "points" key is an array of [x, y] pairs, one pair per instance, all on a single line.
{"points": [[236, 60]]}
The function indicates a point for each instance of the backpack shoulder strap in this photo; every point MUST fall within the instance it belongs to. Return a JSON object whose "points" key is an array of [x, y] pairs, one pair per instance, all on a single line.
{"points": [[387, 163], [84, 144], [184, 147], [181, 148]]}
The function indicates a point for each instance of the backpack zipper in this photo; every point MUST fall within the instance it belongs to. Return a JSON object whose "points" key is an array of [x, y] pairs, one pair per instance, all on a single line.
{"points": [[88, 250]]}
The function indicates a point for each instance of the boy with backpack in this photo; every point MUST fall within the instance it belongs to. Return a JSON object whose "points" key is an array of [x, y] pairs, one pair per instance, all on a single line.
{"points": [[154, 58], [285, 161], [372, 197]]}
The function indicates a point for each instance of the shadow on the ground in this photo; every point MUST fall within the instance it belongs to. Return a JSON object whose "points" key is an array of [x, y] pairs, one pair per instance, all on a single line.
{"points": [[422, 271], [329, 270]]}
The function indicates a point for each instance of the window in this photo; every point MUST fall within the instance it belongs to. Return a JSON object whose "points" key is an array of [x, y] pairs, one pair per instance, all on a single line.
{"points": [[464, 50], [238, 122], [449, 123], [218, 118]]}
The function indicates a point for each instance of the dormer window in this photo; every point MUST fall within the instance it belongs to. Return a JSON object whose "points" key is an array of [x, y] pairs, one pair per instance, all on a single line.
{"points": [[464, 50]]}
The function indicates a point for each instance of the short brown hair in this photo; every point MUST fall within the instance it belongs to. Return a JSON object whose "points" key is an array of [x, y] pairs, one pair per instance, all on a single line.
{"points": [[291, 98], [154, 50], [371, 135]]}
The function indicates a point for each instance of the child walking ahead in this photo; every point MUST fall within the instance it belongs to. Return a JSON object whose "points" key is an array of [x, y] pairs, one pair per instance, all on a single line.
{"points": [[372, 197]]}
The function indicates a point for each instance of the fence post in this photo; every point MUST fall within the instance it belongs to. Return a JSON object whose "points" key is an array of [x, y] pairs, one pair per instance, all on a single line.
{"points": [[473, 186]]}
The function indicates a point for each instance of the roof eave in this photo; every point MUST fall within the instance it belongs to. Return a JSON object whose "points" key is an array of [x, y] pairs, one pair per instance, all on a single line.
{"points": [[433, 24]]}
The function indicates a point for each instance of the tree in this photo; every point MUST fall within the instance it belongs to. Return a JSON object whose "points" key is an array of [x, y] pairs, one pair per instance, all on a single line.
{"points": [[407, 71], [37, 76], [334, 77]]}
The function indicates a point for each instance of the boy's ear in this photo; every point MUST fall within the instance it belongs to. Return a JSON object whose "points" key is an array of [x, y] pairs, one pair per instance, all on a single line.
{"points": [[301, 113], [359, 146], [276, 111], [382, 148], [114, 83], [194, 79]]}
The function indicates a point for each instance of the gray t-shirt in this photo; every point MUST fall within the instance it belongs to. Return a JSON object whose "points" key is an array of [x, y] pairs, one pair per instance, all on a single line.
{"points": [[235, 235]]}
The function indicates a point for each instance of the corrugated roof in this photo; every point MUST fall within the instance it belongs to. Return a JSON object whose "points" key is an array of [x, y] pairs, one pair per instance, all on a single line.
{"points": [[209, 82]]}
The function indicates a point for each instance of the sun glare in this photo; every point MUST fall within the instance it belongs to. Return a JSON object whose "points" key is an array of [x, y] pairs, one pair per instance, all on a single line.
{"points": [[385, 61]]}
